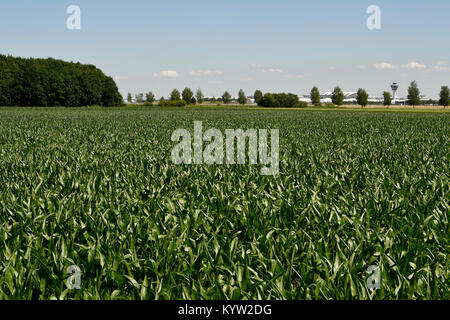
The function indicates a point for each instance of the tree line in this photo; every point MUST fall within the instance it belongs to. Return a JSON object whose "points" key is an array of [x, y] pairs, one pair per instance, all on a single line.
{"points": [[286, 100], [279, 100], [362, 97], [51, 82], [187, 97]]}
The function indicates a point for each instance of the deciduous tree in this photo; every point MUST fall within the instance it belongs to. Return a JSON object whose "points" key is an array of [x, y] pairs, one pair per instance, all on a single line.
{"points": [[338, 96], [199, 96], [242, 98], [362, 97], [258, 96], [226, 97], [187, 95], [175, 95], [413, 94], [51, 82], [315, 96], [444, 96], [150, 97], [387, 98]]}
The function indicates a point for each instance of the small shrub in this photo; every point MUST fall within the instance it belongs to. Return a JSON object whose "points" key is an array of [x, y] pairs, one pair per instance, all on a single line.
{"points": [[302, 104], [172, 103]]}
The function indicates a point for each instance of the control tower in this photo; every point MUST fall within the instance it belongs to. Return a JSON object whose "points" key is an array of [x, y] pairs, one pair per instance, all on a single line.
{"points": [[394, 88]]}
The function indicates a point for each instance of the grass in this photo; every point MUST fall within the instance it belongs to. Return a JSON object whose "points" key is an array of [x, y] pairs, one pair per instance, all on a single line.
{"points": [[369, 108], [96, 188]]}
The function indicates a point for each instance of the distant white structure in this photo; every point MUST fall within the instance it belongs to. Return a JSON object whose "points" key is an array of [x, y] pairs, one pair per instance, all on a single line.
{"points": [[133, 101], [350, 97], [394, 88]]}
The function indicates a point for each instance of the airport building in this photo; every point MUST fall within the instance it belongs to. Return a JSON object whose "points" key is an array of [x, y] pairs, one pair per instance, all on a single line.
{"points": [[350, 97]]}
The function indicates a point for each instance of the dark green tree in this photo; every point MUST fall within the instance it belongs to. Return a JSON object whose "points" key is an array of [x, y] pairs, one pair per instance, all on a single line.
{"points": [[269, 101], [129, 98], [110, 96], [51, 82], [226, 97], [387, 98], [281, 100], [175, 95], [199, 96], [315, 96], [150, 97], [338, 96], [413, 94], [187, 95], [258, 96], [444, 97], [242, 97], [362, 97]]}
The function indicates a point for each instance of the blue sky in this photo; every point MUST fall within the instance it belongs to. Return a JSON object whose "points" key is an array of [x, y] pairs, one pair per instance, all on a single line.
{"points": [[282, 45]]}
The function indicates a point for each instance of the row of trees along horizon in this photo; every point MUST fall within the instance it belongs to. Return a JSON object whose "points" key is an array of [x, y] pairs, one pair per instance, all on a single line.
{"points": [[187, 97], [51, 82]]}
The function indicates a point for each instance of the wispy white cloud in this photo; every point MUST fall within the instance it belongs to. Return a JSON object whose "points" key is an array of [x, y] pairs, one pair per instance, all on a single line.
{"points": [[384, 66], [205, 73], [415, 66], [441, 68], [166, 74], [256, 67], [272, 70]]}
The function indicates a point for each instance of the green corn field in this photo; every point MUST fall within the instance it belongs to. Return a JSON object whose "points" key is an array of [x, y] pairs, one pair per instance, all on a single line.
{"points": [[96, 188]]}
